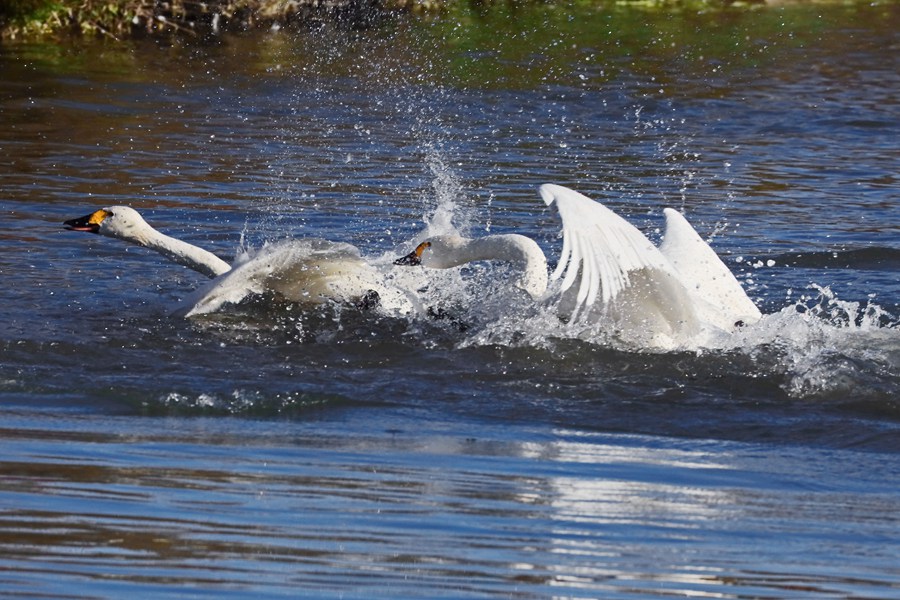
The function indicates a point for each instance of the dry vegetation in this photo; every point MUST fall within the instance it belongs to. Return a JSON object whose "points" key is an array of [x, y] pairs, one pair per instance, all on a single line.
{"points": [[124, 18]]}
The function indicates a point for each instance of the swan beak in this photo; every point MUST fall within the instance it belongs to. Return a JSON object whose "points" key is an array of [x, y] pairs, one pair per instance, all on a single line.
{"points": [[414, 258], [90, 223]]}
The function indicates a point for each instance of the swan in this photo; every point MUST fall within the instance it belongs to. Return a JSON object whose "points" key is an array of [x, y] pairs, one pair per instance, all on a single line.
{"points": [[306, 271], [663, 296]]}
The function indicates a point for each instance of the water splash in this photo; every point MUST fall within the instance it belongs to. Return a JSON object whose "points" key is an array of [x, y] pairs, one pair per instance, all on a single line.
{"points": [[822, 347], [240, 402], [446, 214]]}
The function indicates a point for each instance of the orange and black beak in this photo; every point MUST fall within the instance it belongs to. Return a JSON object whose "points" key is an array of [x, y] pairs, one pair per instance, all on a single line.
{"points": [[89, 223], [414, 258]]}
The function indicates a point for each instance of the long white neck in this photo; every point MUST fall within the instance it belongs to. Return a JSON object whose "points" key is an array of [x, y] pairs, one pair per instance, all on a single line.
{"points": [[513, 248], [189, 255], [180, 252]]}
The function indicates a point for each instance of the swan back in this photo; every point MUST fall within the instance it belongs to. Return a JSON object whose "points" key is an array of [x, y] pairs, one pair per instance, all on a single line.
{"points": [[308, 271]]}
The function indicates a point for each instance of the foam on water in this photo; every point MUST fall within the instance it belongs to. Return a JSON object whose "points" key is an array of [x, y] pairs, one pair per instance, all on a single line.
{"points": [[819, 346], [828, 347]]}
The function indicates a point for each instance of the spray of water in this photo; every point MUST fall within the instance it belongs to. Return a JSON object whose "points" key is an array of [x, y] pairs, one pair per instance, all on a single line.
{"points": [[825, 346]]}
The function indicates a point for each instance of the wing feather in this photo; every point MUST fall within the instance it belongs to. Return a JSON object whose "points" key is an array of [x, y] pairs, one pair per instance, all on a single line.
{"points": [[600, 248], [564, 256], [704, 273], [587, 272]]}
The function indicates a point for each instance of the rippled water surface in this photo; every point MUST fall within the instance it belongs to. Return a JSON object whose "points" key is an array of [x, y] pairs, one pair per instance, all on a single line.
{"points": [[277, 449]]}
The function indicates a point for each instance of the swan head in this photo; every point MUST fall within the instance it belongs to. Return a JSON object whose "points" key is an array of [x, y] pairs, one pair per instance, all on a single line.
{"points": [[414, 258], [120, 222], [447, 251], [439, 252]]}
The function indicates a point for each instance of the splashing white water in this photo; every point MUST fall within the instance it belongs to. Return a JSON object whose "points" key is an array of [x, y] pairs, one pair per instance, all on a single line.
{"points": [[824, 345], [819, 346], [447, 213]]}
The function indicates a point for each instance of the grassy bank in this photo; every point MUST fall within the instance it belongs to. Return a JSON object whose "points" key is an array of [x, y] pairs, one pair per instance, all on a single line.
{"points": [[125, 18]]}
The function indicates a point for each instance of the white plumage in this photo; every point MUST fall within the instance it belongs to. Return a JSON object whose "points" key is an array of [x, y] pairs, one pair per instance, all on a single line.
{"points": [[609, 272]]}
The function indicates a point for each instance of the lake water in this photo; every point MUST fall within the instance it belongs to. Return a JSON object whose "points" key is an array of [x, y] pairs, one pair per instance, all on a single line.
{"points": [[272, 449]]}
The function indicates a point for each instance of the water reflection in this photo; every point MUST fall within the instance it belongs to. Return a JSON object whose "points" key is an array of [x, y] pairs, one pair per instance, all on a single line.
{"points": [[364, 513]]}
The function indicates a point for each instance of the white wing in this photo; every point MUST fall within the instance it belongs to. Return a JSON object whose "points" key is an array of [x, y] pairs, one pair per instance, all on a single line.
{"points": [[600, 247], [705, 275]]}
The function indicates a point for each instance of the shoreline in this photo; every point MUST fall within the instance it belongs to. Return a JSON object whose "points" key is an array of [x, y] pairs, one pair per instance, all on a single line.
{"points": [[128, 19]]}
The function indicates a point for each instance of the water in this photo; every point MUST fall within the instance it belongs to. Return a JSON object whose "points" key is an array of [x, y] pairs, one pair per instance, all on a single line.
{"points": [[277, 450]]}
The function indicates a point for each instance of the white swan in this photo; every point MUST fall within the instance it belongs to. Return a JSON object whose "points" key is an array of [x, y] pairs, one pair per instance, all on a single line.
{"points": [[662, 296], [305, 271]]}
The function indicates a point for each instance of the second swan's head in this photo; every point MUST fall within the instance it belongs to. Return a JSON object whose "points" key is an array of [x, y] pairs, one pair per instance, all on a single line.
{"points": [[414, 258], [446, 251]]}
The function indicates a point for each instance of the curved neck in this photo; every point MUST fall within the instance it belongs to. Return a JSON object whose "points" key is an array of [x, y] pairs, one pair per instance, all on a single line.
{"points": [[190, 256], [513, 248]]}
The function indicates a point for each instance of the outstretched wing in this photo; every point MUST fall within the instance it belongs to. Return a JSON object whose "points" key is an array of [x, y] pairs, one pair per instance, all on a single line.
{"points": [[599, 246], [704, 273]]}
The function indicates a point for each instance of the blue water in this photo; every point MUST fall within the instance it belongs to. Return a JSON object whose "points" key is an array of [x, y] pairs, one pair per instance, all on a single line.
{"points": [[282, 450]]}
